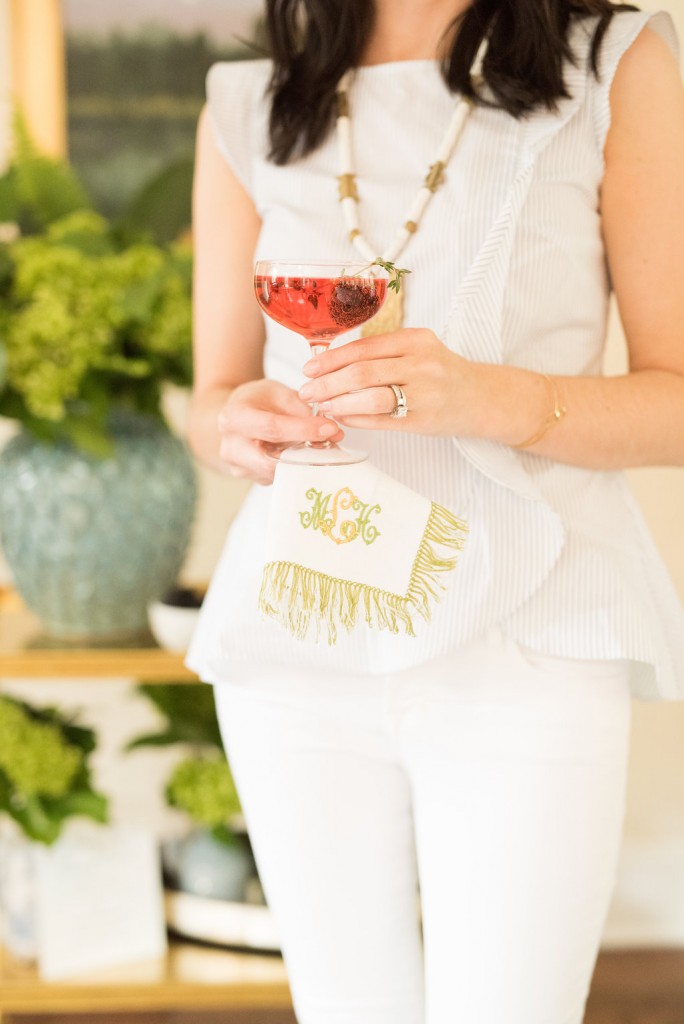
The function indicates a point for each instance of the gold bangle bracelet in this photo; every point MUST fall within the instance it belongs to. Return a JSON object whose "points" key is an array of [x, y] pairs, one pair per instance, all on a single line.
{"points": [[558, 413]]}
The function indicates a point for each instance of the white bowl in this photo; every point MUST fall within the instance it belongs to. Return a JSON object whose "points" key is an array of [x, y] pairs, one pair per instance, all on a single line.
{"points": [[172, 627]]}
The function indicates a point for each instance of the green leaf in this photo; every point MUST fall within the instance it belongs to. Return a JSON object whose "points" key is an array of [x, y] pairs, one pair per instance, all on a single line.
{"points": [[42, 819], [5, 792], [46, 189], [158, 739], [9, 200], [86, 423], [224, 835], [36, 822], [162, 208], [190, 714], [396, 273], [6, 266], [86, 436], [126, 366], [85, 803], [13, 407]]}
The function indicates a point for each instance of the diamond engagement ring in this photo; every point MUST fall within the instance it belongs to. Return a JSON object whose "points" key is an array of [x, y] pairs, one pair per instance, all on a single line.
{"points": [[400, 409]]}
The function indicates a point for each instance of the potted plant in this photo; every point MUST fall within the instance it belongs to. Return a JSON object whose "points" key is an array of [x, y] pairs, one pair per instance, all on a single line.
{"points": [[97, 496], [214, 858], [173, 618], [45, 780]]}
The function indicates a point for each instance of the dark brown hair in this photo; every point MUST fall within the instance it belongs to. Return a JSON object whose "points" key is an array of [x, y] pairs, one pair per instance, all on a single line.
{"points": [[313, 42]]}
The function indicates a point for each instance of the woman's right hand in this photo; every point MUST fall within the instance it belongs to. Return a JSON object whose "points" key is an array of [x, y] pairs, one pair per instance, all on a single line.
{"points": [[266, 413]]}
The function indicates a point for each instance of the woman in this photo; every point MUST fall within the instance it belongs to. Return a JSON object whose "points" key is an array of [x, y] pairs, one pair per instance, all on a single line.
{"points": [[483, 761]]}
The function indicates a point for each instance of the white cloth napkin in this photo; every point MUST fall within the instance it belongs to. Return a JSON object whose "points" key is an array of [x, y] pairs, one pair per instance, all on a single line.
{"points": [[349, 546]]}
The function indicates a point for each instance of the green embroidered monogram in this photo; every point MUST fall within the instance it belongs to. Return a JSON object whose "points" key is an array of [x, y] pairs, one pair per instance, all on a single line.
{"points": [[325, 515], [297, 595]]}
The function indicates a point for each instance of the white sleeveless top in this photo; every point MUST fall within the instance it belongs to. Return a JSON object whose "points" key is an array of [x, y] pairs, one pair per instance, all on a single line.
{"points": [[508, 266]]}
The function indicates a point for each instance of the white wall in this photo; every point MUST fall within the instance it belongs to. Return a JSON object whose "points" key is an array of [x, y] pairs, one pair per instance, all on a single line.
{"points": [[648, 905]]}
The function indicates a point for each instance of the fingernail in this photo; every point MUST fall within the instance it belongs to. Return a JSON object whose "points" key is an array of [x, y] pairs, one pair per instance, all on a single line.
{"points": [[327, 429], [306, 392], [311, 367], [326, 406]]}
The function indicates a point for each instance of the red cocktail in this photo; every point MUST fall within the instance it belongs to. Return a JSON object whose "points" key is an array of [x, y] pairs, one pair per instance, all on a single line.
{"points": [[320, 301], [320, 308]]}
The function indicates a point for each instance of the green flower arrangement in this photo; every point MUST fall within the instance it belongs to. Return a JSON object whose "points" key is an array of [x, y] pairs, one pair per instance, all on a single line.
{"points": [[201, 785], [94, 317], [44, 772]]}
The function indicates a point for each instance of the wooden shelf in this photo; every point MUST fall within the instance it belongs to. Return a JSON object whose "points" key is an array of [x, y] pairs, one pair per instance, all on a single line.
{"points": [[190, 976], [25, 653]]}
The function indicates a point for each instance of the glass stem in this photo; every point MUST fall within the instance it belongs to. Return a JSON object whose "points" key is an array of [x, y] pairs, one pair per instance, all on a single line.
{"points": [[316, 350]]}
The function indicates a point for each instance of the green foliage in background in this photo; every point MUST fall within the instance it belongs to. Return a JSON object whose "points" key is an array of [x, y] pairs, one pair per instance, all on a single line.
{"points": [[203, 787], [163, 204], [94, 316], [188, 712], [201, 784], [44, 773], [37, 190]]}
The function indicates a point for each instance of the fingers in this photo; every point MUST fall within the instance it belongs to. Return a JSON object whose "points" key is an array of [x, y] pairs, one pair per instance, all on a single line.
{"points": [[376, 373], [370, 401], [247, 459], [269, 411], [266, 425], [283, 399], [378, 347], [379, 423], [259, 420]]}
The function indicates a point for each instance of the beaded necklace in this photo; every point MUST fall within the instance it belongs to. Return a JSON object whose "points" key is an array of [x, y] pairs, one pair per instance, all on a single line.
{"points": [[391, 315]]}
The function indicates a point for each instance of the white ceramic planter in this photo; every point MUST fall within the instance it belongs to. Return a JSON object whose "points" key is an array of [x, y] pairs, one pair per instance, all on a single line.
{"points": [[18, 896]]}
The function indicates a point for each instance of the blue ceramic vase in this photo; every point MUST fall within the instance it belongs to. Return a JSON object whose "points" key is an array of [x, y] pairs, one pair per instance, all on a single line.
{"points": [[206, 866], [89, 541]]}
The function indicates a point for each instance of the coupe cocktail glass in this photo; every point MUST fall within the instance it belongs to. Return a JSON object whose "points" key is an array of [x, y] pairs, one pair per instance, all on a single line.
{"points": [[319, 301]]}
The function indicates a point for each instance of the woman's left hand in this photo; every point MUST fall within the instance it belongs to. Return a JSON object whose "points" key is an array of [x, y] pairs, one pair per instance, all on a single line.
{"points": [[352, 383]]}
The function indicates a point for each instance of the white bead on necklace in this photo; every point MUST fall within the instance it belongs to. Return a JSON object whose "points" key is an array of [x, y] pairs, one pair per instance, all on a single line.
{"points": [[390, 316]]}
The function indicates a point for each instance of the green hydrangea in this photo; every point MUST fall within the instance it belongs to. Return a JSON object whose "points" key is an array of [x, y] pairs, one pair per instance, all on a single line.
{"points": [[77, 227], [203, 787], [44, 773], [34, 755], [88, 324]]}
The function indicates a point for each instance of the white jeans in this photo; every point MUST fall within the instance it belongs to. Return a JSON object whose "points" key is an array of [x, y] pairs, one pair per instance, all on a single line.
{"points": [[493, 779]]}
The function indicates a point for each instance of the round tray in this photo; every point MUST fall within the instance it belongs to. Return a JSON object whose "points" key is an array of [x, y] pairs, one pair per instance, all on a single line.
{"points": [[245, 926]]}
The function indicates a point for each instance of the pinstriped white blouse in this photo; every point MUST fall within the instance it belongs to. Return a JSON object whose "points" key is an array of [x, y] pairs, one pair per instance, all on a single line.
{"points": [[508, 266]]}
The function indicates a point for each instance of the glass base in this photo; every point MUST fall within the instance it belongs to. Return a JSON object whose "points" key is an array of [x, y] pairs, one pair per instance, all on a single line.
{"points": [[318, 455]]}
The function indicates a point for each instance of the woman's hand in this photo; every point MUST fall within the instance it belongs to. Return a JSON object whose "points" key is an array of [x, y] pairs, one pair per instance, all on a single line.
{"points": [[262, 416], [351, 383]]}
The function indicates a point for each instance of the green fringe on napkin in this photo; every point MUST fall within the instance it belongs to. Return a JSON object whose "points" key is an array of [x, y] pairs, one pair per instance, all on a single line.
{"points": [[294, 595]]}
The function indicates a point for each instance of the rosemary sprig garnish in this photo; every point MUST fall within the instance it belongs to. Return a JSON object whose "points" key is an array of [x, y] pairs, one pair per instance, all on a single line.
{"points": [[395, 273]]}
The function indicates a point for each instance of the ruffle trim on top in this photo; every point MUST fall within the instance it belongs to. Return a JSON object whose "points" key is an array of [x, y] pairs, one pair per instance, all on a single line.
{"points": [[531, 540]]}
